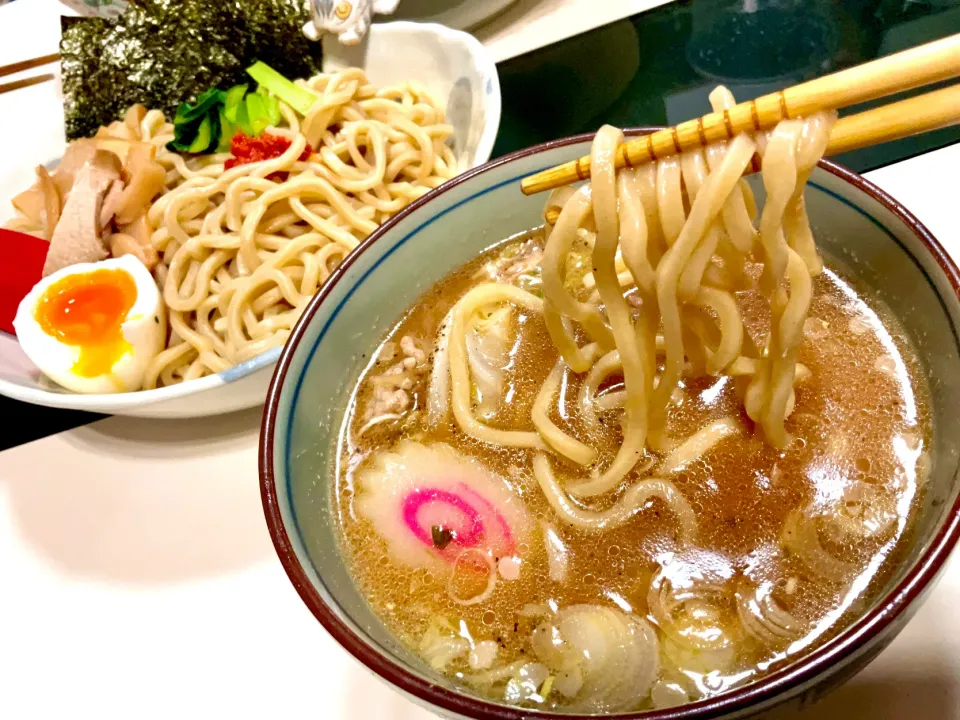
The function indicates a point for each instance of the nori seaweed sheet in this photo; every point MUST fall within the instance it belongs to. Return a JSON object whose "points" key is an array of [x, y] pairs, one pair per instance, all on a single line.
{"points": [[164, 52]]}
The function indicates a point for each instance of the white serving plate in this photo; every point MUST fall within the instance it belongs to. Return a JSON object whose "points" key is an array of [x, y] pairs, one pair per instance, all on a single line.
{"points": [[451, 64], [459, 14]]}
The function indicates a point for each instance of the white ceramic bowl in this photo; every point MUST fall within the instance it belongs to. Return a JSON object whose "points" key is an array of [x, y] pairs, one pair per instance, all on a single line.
{"points": [[861, 228], [453, 65]]}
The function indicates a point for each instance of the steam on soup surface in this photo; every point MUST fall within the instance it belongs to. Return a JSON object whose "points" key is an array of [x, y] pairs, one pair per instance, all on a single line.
{"points": [[785, 542], [640, 456]]}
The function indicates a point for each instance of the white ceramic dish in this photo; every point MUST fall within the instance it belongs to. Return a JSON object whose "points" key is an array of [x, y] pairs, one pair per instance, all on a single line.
{"points": [[867, 233], [459, 14], [453, 65]]}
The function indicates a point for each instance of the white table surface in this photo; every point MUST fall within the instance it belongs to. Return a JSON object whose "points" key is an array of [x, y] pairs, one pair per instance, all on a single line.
{"points": [[137, 578]]}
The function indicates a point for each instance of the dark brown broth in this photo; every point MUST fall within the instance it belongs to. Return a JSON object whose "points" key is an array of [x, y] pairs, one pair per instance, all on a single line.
{"points": [[846, 417]]}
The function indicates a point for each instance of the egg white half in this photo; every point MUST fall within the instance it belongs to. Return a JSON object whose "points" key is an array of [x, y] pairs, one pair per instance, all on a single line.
{"points": [[144, 329]]}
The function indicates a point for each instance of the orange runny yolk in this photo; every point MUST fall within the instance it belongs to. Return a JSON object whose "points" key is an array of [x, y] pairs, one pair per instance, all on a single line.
{"points": [[86, 311]]}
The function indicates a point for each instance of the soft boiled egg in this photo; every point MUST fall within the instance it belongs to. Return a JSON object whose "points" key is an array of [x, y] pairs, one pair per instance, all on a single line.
{"points": [[93, 327]]}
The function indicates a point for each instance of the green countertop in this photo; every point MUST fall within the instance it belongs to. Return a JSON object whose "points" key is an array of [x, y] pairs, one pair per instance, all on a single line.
{"points": [[657, 67]]}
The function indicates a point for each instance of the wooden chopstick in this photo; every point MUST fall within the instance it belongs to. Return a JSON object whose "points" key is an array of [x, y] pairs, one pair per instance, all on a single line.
{"points": [[920, 114], [28, 64], [26, 82], [932, 62]]}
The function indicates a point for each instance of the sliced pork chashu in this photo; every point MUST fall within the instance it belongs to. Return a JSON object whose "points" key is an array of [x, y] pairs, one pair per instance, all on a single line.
{"points": [[78, 236]]}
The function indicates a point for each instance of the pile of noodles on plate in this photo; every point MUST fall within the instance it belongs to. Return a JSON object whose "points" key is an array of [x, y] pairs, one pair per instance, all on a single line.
{"points": [[242, 206]]}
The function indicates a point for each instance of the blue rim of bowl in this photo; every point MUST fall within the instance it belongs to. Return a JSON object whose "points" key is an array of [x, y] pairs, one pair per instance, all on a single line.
{"points": [[792, 680]]}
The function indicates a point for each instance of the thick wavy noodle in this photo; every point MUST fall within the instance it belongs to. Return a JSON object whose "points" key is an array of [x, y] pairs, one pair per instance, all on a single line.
{"points": [[243, 250]]}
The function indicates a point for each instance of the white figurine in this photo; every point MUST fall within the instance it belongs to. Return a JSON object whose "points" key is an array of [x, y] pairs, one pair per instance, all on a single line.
{"points": [[348, 19]]}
